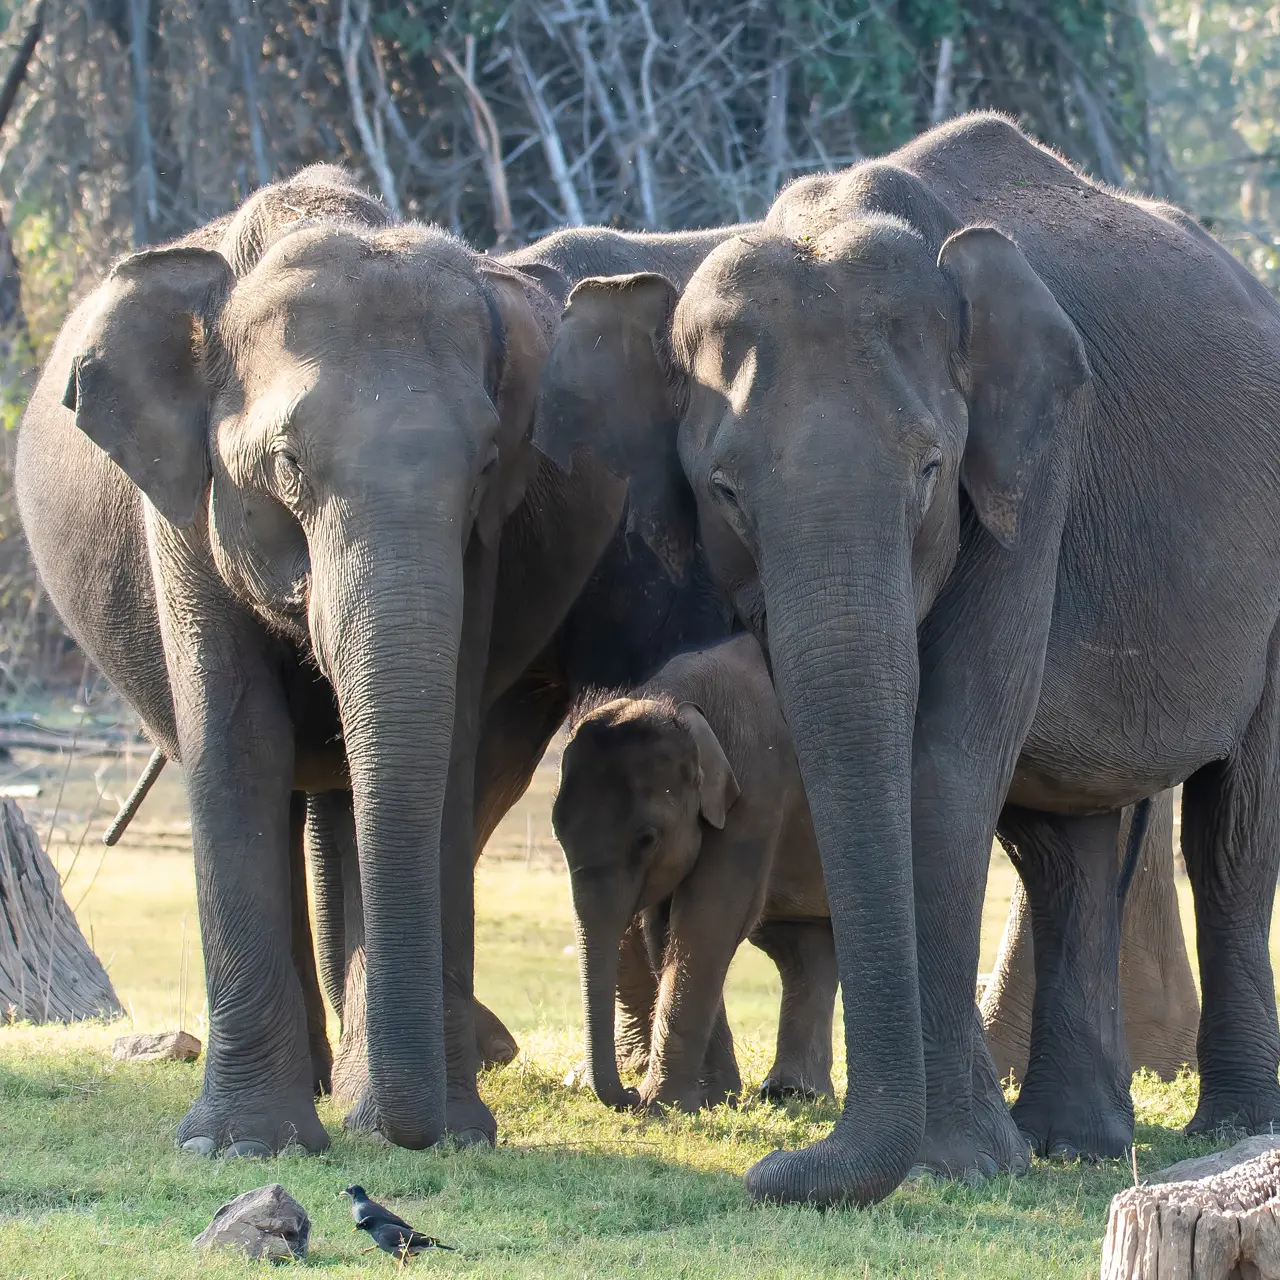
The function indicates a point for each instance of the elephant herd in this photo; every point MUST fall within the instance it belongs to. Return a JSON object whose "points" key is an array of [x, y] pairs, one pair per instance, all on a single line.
{"points": [[936, 506]]}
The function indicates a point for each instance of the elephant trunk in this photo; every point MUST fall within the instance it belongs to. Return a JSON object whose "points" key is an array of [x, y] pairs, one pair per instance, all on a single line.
{"points": [[600, 930], [388, 634], [842, 642]]}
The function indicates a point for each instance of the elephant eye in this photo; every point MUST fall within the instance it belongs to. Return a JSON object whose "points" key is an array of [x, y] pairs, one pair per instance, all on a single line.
{"points": [[646, 841], [723, 489], [928, 481], [288, 473]]}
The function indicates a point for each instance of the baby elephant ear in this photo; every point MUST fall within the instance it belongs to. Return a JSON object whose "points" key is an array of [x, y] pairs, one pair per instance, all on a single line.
{"points": [[718, 788]]}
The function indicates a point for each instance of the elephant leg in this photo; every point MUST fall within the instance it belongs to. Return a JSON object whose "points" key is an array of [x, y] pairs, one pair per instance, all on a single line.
{"points": [[514, 736], [637, 995], [1010, 996], [1231, 843], [325, 856], [237, 751], [304, 955], [805, 954], [721, 1079], [981, 653], [698, 929], [1075, 1099], [468, 1119], [1157, 990]]}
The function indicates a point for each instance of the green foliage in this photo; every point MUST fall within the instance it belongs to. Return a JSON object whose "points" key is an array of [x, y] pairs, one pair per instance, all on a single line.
{"points": [[1216, 93], [92, 1187]]}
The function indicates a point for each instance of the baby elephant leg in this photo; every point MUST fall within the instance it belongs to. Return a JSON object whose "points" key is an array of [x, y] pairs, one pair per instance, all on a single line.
{"points": [[721, 1081], [805, 953]]}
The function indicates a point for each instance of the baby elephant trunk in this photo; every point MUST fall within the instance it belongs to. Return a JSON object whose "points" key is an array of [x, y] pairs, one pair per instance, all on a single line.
{"points": [[600, 930]]}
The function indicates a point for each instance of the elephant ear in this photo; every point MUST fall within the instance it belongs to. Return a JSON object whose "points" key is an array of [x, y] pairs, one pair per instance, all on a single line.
{"points": [[1020, 361], [717, 787], [523, 319], [137, 385], [610, 390]]}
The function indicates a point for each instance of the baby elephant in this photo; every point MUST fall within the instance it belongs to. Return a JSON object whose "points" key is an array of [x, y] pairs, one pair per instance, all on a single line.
{"points": [[683, 802]]}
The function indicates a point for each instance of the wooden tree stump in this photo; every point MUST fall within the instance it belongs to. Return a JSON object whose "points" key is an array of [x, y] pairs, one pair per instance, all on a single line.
{"points": [[47, 971], [1226, 1227]]}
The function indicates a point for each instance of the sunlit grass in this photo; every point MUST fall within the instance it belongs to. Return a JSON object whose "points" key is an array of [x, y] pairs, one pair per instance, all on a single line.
{"points": [[91, 1186]]}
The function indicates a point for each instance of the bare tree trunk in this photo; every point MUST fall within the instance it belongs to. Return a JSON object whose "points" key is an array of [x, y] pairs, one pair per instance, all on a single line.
{"points": [[1112, 171], [47, 971], [489, 140], [21, 59], [943, 80], [248, 48], [353, 30], [146, 211]]}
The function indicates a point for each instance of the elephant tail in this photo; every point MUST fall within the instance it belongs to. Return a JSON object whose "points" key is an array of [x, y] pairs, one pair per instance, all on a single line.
{"points": [[135, 798], [1133, 848]]}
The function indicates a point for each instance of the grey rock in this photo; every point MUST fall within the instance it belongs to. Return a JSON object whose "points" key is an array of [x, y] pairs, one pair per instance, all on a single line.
{"points": [[265, 1223], [167, 1046], [1219, 1162]]}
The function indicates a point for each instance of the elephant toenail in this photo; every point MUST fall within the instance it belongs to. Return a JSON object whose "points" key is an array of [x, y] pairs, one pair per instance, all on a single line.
{"points": [[472, 1138], [246, 1148], [1065, 1152], [200, 1146], [986, 1166]]}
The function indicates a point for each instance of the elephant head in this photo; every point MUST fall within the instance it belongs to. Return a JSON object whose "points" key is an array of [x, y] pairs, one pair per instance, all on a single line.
{"points": [[326, 435], [638, 779], [842, 409]]}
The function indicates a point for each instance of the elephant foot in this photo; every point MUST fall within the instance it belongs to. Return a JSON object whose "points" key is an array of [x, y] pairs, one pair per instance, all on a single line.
{"points": [[976, 1143], [1257, 1111], [468, 1122], [363, 1116], [494, 1043], [786, 1081], [239, 1126], [321, 1069], [972, 1153], [1073, 1126], [835, 1171]]}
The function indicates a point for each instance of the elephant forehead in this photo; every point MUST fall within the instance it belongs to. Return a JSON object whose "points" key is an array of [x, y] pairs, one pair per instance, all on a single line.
{"points": [[858, 274], [384, 308]]}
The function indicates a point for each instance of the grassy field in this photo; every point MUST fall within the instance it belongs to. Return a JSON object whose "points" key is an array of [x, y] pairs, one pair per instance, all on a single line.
{"points": [[91, 1186]]}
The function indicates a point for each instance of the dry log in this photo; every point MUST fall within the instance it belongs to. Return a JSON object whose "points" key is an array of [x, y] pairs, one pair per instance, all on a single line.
{"points": [[47, 971], [1226, 1227]]}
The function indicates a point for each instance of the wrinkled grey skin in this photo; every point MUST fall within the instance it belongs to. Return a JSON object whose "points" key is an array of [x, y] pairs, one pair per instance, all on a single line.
{"points": [[276, 479], [1157, 990], [992, 491], [684, 797], [316, 445]]}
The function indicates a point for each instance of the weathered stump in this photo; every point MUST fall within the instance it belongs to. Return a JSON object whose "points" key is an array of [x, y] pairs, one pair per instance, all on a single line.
{"points": [[47, 971], [1226, 1227]]}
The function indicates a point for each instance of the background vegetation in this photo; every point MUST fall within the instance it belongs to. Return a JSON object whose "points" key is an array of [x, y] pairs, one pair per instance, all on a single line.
{"points": [[503, 119]]}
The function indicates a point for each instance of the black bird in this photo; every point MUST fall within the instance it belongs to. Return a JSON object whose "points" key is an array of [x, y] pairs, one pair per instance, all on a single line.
{"points": [[388, 1232]]}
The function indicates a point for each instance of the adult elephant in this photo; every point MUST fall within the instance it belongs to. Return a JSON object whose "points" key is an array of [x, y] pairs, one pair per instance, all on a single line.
{"points": [[276, 478], [1157, 990], [1001, 504]]}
